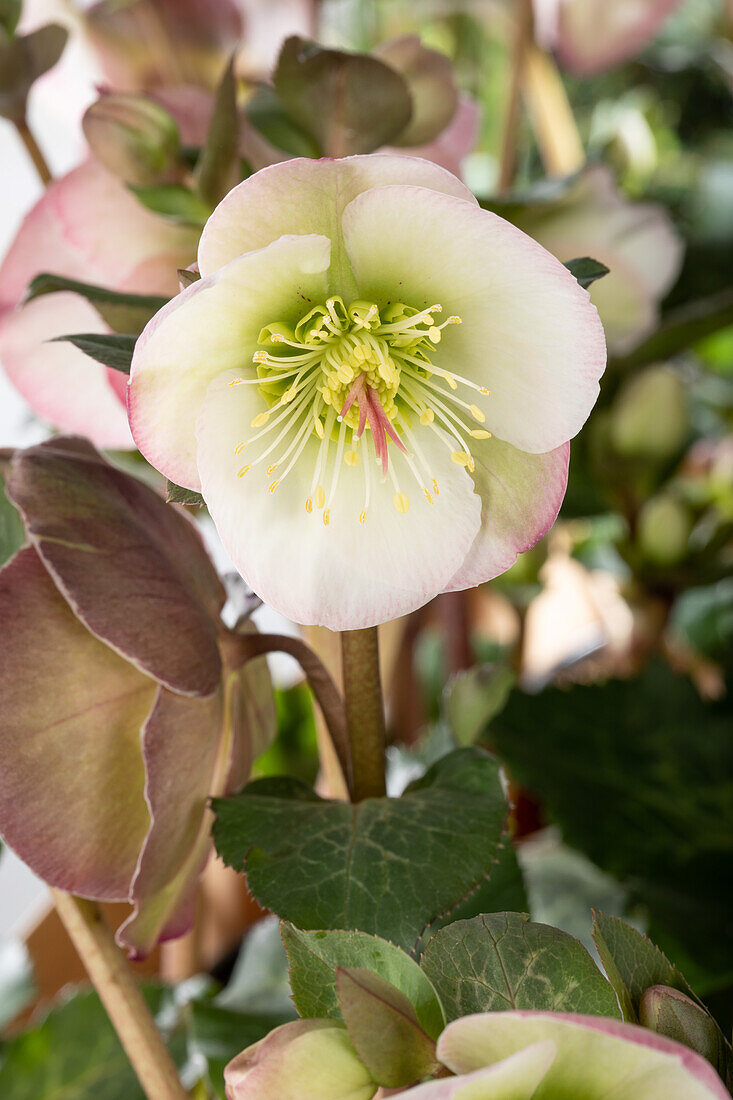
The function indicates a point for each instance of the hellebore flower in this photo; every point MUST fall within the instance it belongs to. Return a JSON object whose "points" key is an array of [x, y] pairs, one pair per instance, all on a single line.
{"points": [[558, 1056], [87, 226], [636, 241], [304, 1060], [373, 386], [591, 36], [119, 717]]}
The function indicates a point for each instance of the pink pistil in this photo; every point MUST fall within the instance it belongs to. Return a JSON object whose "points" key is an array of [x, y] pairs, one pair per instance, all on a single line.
{"points": [[353, 395], [381, 428]]}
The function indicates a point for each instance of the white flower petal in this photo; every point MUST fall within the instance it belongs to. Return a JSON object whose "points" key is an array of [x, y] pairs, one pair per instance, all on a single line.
{"points": [[345, 575], [529, 334], [309, 196], [521, 496], [212, 326]]}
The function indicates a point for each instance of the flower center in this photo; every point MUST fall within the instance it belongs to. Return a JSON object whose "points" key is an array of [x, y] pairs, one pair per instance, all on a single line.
{"points": [[361, 379]]}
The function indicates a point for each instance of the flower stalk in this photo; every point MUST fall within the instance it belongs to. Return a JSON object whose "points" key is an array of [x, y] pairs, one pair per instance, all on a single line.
{"points": [[364, 712], [120, 996], [34, 151], [522, 42]]}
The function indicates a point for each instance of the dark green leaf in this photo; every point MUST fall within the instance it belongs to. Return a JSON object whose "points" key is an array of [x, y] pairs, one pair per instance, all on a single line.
{"points": [[113, 350], [347, 102], [504, 961], [175, 202], [9, 15], [74, 1055], [680, 329], [315, 956], [586, 271], [386, 865], [639, 775], [177, 494], [269, 117], [704, 617], [218, 169], [123, 312]]}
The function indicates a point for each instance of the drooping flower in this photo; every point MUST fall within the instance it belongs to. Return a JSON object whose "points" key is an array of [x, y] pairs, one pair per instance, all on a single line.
{"points": [[591, 36], [87, 226], [373, 386], [120, 718], [544, 1055]]}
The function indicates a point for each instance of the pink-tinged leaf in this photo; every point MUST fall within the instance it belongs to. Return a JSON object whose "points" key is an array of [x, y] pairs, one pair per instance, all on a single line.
{"points": [[133, 569], [71, 782], [431, 83]]}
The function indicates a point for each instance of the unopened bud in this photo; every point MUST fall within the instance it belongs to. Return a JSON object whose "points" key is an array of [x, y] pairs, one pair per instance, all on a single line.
{"points": [[649, 418], [676, 1016], [133, 137], [664, 528]]}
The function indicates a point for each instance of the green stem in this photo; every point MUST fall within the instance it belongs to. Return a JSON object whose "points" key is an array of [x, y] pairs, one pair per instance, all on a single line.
{"points": [[364, 712], [34, 152]]}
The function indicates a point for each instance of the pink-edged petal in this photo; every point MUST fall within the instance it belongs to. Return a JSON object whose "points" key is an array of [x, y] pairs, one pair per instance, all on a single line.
{"points": [[596, 35], [308, 196], [529, 332], [521, 496], [71, 782], [342, 574], [186, 749], [210, 327], [60, 383], [517, 1077], [134, 569], [597, 1058]]}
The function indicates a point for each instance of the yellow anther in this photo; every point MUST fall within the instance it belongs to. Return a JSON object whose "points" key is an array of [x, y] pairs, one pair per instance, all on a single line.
{"points": [[454, 321], [428, 497], [240, 447], [470, 465], [259, 357], [319, 429], [362, 517], [450, 380], [326, 517], [477, 414], [271, 469], [485, 392], [351, 458], [243, 471], [236, 382], [461, 458], [320, 497], [273, 487], [309, 505], [277, 338], [289, 394], [479, 434], [401, 502], [436, 490], [260, 419], [427, 417], [434, 334]]}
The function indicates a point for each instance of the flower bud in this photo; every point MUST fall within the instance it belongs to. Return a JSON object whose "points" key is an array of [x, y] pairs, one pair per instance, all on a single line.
{"points": [[671, 1013], [664, 529], [649, 417], [133, 137], [304, 1060]]}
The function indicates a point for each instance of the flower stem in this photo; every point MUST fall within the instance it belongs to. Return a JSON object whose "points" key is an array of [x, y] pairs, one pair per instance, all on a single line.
{"points": [[364, 712], [522, 40], [34, 152], [121, 997], [551, 115]]}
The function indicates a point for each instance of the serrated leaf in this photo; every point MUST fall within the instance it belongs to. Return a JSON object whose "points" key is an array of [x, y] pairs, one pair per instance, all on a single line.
{"points": [[348, 103], [125, 313], [504, 961], [113, 350], [175, 202], [586, 270], [315, 956], [178, 494], [386, 865], [633, 963], [218, 169]]}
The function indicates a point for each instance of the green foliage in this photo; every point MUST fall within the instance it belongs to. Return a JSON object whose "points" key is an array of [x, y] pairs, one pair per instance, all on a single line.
{"points": [[586, 270], [218, 168], [503, 961], [704, 618], [389, 865], [23, 59], [177, 494], [218, 1034], [75, 1054], [315, 956], [12, 534], [632, 963], [175, 202], [9, 15], [123, 312], [113, 351], [473, 698], [638, 775]]}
